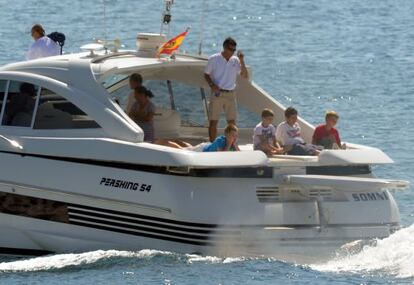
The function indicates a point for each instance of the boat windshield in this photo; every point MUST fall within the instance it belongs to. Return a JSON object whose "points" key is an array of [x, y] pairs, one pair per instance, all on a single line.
{"points": [[170, 95], [113, 80], [186, 99]]}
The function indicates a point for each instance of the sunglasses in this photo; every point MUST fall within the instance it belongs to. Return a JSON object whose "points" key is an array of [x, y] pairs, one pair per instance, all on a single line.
{"points": [[232, 49]]}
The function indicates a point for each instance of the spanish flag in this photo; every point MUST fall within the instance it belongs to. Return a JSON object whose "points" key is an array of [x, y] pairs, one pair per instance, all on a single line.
{"points": [[172, 44]]}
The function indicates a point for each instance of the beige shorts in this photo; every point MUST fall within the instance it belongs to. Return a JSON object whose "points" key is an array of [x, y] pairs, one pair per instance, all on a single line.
{"points": [[225, 102]]}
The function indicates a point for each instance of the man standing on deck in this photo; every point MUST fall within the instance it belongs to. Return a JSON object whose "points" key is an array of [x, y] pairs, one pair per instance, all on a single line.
{"points": [[221, 74], [43, 45]]}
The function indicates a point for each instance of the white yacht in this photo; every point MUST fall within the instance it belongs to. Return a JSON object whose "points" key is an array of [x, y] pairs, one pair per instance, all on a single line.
{"points": [[75, 174]]}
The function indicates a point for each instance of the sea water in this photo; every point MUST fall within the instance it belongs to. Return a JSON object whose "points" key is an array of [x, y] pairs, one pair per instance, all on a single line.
{"points": [[355, 57]]}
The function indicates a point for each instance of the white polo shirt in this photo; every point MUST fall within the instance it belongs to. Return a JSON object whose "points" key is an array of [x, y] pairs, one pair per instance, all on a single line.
{"points": [[43, 47], [223, 72], [289, 135]]}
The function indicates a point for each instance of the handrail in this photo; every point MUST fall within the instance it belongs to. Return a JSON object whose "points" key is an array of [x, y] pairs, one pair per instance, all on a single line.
{"points": [[12, 142], [99, 59], [344, 183]]}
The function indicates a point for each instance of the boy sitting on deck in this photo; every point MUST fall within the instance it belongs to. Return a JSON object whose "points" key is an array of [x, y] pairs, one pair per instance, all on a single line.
{"points": [[326, 135], [288, 135], [226, 142], [264, 135]]}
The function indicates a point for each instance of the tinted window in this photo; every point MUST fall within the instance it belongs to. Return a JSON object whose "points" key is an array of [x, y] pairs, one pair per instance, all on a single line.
{"points": [[21, 99], [3, 85], [187, 100], [55, 112], [114, 79], [246, 118], [121, 96]]}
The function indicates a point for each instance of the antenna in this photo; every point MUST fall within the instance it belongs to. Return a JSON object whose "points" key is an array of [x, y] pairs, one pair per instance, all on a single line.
{"points": [[104, 23], [200, 51], [166, 16], [200, 45]]}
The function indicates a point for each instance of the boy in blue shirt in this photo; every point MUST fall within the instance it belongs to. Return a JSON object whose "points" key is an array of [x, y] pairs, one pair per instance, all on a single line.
{"points": [[226, 142]]}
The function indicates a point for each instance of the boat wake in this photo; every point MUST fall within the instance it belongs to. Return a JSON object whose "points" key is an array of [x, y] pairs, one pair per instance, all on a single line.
{"points": [[100, 257], [393, 255], [60, 261]]}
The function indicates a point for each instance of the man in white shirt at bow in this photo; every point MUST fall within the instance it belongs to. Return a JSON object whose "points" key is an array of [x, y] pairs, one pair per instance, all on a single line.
{"points": [[43, 45]]}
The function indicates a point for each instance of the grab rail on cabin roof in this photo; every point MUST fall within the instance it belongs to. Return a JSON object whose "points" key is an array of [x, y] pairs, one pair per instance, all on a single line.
{"points": [[101, 58]]}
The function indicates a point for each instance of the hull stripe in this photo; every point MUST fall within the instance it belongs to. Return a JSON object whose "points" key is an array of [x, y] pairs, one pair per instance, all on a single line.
{"points": [[143, 234], [144, 223], [142, 217], [23, 251], [135, 227], [234, 172]]}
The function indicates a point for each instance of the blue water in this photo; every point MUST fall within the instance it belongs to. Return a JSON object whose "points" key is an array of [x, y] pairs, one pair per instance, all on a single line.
{"points": [[352, 56]]}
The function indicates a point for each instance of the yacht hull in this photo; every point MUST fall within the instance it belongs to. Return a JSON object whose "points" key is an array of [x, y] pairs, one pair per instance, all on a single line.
{"points": [[89, 205], [28, 236]]}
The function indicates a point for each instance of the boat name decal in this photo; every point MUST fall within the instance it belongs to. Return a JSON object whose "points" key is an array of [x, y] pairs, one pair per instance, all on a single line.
{"points": [[123, 184], [371, 196]]}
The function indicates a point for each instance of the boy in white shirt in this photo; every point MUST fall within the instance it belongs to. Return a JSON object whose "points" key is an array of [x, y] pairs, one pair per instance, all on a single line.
{"points": [[288, 135], [264, 137]]}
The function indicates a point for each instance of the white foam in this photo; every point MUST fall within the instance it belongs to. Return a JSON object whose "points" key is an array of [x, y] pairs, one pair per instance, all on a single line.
{"points": [[393, 255], [191, 258], [233, 259], [59, 261]]}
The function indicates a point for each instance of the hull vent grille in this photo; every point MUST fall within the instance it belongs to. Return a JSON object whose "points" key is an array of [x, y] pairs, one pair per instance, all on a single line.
{"points": [[268, 194], [320, 193]]}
